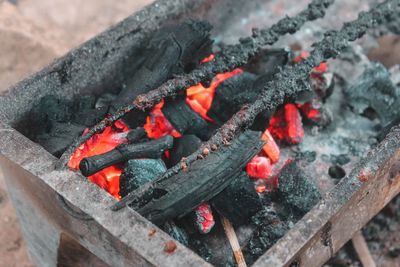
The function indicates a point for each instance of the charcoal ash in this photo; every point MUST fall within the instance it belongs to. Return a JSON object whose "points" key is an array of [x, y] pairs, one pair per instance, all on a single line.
{"points": [[375, 90], [137, 172], [183, 146], [239, 201]]}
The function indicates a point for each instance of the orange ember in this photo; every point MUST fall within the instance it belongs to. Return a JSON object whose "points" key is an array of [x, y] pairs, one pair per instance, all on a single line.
{"points": [[111, 137], [200, 98], [157, 125]]}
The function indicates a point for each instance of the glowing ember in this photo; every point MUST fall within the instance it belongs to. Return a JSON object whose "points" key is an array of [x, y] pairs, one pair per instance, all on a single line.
{"points": [[286, 124], [311, 110], [208, 59], [204, 218], [270, 148], [111, 137], [200, 98], [259, 167], [295, 131], [157, 125]]}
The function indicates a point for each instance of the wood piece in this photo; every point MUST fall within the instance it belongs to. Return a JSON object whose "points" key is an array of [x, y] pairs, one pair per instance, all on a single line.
{"points": [[226, 60], [361, 247], [124, 152], [204, 179], [234, 242]]}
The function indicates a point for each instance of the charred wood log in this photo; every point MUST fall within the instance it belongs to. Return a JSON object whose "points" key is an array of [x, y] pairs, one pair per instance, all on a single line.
{"points": [[287, 83], [124, 152], [227, 60], [173, 50], [183, 192]]}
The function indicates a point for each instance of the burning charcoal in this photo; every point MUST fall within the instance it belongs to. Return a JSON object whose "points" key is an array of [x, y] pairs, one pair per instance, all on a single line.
{"points": [[124, 152], [269, 229], [239, 201], [271, 149], [259, 167], [286, 124], [136, 135], [204, 219], [61, 135], [231, 95], [183, 147], [176, 232], [172, 51], [137, 172], [375, 90], [202, 180], [296, 191], [187, 121]]}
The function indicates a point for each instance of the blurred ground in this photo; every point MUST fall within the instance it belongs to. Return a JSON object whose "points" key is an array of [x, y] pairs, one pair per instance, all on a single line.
{"points": [[32, 34]]}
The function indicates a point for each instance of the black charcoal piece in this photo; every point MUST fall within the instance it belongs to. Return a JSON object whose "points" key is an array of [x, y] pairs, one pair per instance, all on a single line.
{"points": [[61, 135], [138, 172], [181, 193], [124, 152], [136, 135], [231, 95], [187, 121], [89, 117], [375, 90], [239, 201], [296, 191], [105, 100], [176, 232], [172, 50], [183, 146], [269, 229], [201, 248]]}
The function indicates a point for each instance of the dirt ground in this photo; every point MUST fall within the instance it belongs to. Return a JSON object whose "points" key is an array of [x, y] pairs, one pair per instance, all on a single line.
{"points": [[32, 34]]}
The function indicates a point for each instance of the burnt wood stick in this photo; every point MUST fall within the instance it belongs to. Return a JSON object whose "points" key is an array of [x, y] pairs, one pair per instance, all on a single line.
{"points": [[136, 135], [287, 83], [227, 60], [204, 179], [124, 152]]}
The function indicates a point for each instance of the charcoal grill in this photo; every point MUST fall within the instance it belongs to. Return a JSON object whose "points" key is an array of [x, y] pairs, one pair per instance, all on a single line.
{"points": [[61, 211]]}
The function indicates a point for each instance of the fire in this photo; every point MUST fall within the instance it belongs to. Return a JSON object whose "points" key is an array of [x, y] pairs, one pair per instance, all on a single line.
{"points": [[111, 137], [157, 125], [200, 98], [204, 218]]}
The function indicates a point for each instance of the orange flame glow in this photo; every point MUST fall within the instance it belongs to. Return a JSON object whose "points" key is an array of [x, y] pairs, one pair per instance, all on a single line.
{"points": [[111, 137], [157, 125], [200, 98]]}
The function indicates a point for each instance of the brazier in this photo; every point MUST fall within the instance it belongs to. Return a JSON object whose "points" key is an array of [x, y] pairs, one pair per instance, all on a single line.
{"points": [[63, 214]]}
